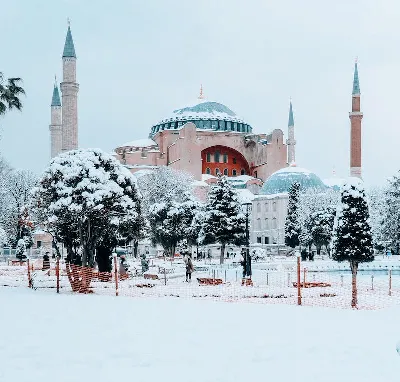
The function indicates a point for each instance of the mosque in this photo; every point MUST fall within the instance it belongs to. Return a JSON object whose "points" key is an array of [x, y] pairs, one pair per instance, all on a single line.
{"points": [[207, 139]]}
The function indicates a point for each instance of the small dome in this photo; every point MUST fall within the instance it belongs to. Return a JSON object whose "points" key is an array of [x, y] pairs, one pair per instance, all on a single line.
{"points": [[281, 181], [205, 115]]}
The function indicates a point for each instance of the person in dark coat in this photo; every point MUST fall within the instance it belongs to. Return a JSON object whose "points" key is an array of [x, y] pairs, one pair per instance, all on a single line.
{"points": [[46, 262], [189, 268]]}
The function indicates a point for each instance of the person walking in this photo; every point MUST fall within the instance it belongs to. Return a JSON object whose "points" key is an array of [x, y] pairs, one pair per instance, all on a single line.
{"points": [[189, 268]]}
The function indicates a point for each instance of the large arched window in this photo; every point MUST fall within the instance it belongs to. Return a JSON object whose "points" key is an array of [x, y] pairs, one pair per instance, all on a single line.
{"points": [[225, 171], [217, 171], [225, 158], [208, 157], [208, 171], [216, 156]]}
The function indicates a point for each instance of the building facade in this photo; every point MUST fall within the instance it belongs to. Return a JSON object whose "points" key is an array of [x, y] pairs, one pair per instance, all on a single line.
{"points": [[208, 138]]}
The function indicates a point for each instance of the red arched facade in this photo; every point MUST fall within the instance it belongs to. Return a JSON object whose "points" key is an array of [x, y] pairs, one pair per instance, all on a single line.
{"points": [[224, 160]]}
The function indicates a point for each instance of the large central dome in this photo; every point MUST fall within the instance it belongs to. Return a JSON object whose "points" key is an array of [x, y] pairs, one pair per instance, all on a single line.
{"points": [[206, 116]]}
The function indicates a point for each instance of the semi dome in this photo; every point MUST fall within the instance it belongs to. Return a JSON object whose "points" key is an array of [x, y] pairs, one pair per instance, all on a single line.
{"points": [[206, 116], [281, 181]]}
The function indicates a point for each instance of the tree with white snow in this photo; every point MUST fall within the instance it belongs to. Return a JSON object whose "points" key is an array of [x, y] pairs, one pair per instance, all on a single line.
{"points": [[224, 222], [352, 238], [292, 224]]}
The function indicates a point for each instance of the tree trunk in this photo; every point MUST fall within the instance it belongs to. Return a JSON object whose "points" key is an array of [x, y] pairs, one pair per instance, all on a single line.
{"points": [[135, 248], [354, 268], [221, 257]]}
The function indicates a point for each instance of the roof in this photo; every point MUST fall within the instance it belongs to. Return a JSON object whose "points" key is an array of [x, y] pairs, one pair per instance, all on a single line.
{"points": [[69, 49], [146, 142], [55, 101], [356, 81], [291, 119], [334, 182], [245, 195], [282, 180]]}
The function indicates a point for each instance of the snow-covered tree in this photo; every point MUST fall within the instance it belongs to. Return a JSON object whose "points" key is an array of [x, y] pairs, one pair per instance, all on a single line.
{"points": [[379, 202], [352, 238], [20, 249], [84, 197], [391, 215], [224, 222], [292, 224], [322, 227]]}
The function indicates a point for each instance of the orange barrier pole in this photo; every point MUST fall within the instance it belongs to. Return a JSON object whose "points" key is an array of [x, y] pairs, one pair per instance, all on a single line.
{"points": [[390, 282], [116, 275], [304, 276], [58, 274], [298, 282]]}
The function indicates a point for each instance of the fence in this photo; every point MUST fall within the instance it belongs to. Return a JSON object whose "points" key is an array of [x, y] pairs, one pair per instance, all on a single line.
{"points": [[278, 283]]}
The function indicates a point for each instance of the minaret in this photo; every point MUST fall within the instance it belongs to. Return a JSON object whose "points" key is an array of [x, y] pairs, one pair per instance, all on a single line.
{"points": [[355, 130], [56, 123], [69, 90], [201, 95], [291, 142]]}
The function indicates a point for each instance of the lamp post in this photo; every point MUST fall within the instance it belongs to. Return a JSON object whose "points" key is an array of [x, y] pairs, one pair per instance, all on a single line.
{"points": [[247, 267]]}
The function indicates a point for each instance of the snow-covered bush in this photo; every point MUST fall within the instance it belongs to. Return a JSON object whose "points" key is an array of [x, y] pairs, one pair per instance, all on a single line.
{"points": [[292, 224]]}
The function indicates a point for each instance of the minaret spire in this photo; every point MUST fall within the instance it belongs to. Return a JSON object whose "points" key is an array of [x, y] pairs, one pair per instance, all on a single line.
{"points": [[56, 122], [201, 95], [355, 130], [291, 142], [69, 91]]}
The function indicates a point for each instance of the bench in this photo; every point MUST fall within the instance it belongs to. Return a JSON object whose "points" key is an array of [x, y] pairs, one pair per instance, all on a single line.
{"points": [[209, 281]]}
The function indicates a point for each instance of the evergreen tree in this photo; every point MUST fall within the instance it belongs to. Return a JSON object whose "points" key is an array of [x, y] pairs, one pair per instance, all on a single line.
{"points": [[391, 213], [224, 223], [322, 227], [9, 94], [292, 224], [352, 238]]}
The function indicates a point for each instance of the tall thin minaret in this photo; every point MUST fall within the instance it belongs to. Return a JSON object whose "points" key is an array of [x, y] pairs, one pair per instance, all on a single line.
{"points": [[291, 142], [69, 90], [56, 122], [355, 130]]}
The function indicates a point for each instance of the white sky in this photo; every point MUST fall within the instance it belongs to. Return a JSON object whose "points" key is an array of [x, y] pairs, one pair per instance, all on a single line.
{"points": [[139, 60]]}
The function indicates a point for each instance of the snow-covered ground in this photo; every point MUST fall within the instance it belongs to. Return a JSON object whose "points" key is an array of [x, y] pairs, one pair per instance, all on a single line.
{"points": [[67, 338]]}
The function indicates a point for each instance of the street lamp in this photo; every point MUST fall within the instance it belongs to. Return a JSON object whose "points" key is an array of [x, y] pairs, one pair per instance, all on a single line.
{"points": [[247, 260]]}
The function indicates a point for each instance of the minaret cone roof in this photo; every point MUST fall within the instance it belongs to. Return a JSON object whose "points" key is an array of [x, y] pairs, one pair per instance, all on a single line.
{"points": [[356, 82], [55, 101], [291, 119], [69, 49]]}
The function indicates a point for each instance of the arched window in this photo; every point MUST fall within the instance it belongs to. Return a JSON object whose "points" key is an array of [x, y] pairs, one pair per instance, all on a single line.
{"points": [[233, 172], [266, 207], [208, 157], [208, 171], [259, 224], [225, 158], [255, 174], [225, 171], [242, 171], [229, 125], [217, 171], [274, 223], [234, 160], [258, 207], [216, 157], [266, 224], [274, 206]]}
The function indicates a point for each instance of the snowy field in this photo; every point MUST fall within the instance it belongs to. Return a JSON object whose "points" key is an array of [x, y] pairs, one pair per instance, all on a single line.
{"points": [[48, 337]]}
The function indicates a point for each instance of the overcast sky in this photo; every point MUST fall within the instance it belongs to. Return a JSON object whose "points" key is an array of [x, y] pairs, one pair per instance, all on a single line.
{"points": [[139, 60]]}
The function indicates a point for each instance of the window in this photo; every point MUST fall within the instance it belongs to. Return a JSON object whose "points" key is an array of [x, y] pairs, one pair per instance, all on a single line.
{"points": [[216, 157], [208, 157], [255, 174], [214, 125], [222, 125], [274, 223], [207, 124], [38, 244], [225, 171], [266, 224], [266, 207], [274, 240], [258, 207], [208, 171], [233, 172], [229, 125], [225, 158], [242, 172], [274, 206], [258, 224], [266, 240], [258, 240], [234, 160], [234, 126], [217, 171]]}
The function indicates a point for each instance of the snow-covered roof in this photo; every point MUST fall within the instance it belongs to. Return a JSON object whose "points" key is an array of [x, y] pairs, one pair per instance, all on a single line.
{"points": [[245, 195], [281, 180], [200, 183], [146, 142]]}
